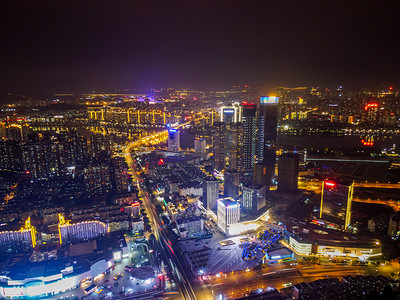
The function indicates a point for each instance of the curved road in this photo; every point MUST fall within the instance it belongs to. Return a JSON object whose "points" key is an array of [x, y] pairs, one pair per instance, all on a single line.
{"points": [[189, 286]]}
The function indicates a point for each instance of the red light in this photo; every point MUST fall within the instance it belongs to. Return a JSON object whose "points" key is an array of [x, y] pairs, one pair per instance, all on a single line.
{"points": [[329, 183], [135, 204], [170, 248], [391, 88]]}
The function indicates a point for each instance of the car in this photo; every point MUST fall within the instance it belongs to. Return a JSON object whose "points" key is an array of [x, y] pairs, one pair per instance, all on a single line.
{"points": [[118, 276], [109, 287], [128, 268], [98, 289]]}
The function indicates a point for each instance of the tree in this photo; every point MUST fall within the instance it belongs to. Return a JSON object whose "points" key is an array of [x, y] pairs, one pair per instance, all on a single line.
{"points": [[159, 209]]}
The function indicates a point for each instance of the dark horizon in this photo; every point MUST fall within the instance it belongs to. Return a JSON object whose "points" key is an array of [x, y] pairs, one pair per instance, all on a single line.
{"points": [[75, 47]]}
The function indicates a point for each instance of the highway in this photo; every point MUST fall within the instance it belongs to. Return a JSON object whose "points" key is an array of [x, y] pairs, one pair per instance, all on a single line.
{"points": [[280, 275], [189, 286]]}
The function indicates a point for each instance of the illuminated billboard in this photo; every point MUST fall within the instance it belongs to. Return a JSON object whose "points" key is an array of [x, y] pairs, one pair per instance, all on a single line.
{"points": [[269, 100]]}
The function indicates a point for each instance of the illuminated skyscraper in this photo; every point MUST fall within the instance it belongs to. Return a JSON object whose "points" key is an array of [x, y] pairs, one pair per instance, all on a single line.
{"points": [[210, 193], [267, 133], [174, 140], [231, 114], [228, 146], [249, 135], [336, 200]]}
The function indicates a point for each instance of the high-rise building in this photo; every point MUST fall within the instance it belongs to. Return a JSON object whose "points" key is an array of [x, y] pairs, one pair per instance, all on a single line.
{"points": [[230, 114], [99, 144], [14, 132], [210, 193], [228, 146], [200, 146], [174, 140], [253, 198], [371, 114], [3, 132], [98, 179], [336, 200], [249, 135], [11, 155], [77, 149], [231, 184], [33, 156], [260, 174], [267, 133], [120, 174], [288, 172], [228, 213]]}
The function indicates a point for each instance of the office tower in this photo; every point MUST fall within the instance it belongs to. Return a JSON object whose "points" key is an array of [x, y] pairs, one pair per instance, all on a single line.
{"points": [[249, 135], [200, 146], [288, 172], [228, 213], [266, 134], [228, 146], [336, 199], [231, 184], [230, 114], [174, 141], [210, 193], [253, 198]]}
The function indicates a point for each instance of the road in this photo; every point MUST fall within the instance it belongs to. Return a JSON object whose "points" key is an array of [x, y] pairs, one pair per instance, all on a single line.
{"points": [[280, 275], [392, 203], [189, 286]]}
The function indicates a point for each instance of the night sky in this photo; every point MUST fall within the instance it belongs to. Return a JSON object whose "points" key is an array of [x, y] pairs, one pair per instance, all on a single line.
{"points": [[105, 45]]}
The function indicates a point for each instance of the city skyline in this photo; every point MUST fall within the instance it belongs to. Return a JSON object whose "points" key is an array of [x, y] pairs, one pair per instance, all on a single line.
{"points": [[82, 47], [200, 150]]}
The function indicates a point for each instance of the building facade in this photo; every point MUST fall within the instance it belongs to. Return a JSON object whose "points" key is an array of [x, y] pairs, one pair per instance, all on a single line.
{"points": [[174, 140], [228, 213], [288, 172]]}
